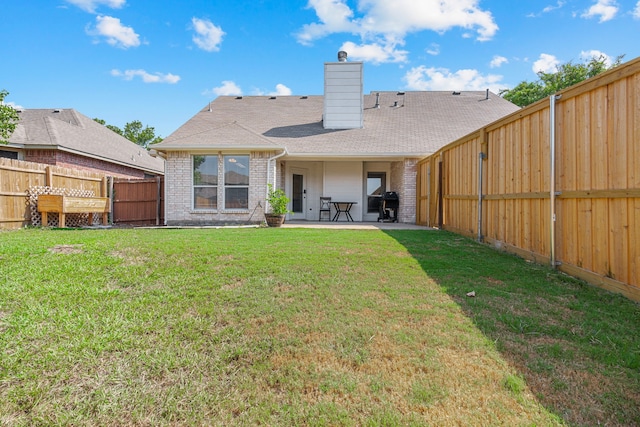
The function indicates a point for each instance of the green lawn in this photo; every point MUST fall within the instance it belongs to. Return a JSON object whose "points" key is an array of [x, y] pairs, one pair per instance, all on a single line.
{"points": [[303, 327]]}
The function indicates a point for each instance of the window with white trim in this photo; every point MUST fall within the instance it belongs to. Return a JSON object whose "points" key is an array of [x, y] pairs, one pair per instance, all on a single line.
{"points": [[205, 182], [236, 182]]}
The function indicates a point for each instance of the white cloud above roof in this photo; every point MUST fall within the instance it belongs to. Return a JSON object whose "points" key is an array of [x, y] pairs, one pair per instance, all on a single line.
{"points": [[546, 63], [207, 35], [146, 77], [281, 90], [606, 10], [636, 11], [382, 25], [375, 52], [91, 5], [432, 78], [228, 88], [115, 32]]}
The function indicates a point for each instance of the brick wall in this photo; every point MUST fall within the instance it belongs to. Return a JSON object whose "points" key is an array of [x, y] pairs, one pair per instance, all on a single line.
{"points": [[179, 190], [403, 177], [74, 161]]}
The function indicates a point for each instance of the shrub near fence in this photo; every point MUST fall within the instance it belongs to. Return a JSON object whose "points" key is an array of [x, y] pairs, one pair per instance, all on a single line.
{"points": [[16, 177], [576, 207]]}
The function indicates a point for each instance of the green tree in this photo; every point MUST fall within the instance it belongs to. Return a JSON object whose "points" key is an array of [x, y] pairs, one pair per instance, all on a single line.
{"points": [[566, 75], [116, 129], [8, 119], [135, 132], [143, 136]]}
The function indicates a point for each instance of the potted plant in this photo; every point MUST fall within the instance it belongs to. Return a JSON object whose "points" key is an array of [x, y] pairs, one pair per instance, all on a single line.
{"points": [[278, 201]]}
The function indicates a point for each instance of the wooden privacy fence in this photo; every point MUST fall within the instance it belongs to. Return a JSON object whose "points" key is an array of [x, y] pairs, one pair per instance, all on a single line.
{"points": [[17, 177], [557, 182], [138, 201], [134, 202]]}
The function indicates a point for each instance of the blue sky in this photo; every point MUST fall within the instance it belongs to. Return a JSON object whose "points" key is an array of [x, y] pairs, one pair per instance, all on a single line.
{"points": [[162, 61]]}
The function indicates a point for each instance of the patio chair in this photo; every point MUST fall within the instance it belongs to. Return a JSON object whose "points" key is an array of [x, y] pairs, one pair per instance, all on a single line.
{"points": [[325, 206]]}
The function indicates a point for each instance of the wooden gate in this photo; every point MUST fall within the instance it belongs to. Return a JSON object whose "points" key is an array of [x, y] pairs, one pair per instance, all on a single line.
{"points": [[138, 201]]}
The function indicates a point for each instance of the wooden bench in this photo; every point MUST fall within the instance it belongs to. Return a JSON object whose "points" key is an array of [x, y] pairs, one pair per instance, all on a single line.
{"points": [[66, 204]]}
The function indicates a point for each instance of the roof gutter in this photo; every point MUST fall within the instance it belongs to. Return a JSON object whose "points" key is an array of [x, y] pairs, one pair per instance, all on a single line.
{"points": [[154, 153], [166, 148]]}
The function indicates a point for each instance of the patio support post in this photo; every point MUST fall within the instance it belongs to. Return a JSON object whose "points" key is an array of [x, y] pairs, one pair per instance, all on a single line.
{"points": [[269, 171]]}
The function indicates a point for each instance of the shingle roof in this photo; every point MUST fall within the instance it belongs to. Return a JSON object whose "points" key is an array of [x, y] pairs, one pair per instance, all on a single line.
{"points": [[409, 124], [67, 129]]}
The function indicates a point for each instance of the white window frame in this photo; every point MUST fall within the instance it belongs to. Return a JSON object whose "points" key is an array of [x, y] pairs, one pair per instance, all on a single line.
{"points": [[234, 186], [194, 185]]}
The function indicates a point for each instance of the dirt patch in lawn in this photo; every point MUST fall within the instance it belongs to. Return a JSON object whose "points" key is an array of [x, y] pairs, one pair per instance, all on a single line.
{"points": [[66, 249]]}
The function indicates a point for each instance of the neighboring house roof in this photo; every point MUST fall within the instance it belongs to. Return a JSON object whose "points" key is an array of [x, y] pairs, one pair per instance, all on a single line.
{"points": [[68, 130], [412, 124]]}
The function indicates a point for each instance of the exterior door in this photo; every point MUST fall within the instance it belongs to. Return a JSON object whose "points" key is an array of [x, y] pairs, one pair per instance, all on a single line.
{"points": [[376, 186], [298, 194]]}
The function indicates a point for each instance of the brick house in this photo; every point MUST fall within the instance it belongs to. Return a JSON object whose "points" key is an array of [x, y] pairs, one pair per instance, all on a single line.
{"points": [[64, 137], [345, 145]]}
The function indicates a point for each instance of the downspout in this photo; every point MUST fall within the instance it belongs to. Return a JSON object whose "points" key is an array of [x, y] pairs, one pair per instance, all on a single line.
{"points": [[552, 178], [274, 158], [429, 194], [481, 157]]}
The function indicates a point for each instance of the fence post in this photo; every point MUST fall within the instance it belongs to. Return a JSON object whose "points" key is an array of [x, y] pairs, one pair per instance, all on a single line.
{"points": [[552, 179], [158, 200], [112, 200], [49, 177], [481, 158]]}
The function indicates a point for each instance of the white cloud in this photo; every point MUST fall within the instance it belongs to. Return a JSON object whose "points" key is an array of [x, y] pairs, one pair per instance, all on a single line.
{"points": [[424, 78], [605, 9], [228, 88], [547, 9], [14, 105], [91, 5], [281, 90], [636, 11], [146, 77], [335, 17], [374, 52], [382, 24], [116, 34], [551, 8], [498, 61], [546, 64], [208, 36], [591, 54], [433, 49]]}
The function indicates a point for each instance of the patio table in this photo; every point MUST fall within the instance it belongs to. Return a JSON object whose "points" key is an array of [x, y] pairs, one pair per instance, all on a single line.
{"points": [[343, 207]]}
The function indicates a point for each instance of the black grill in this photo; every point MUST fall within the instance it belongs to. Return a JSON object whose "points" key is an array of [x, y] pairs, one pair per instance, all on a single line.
{"points": [[388, 211]]}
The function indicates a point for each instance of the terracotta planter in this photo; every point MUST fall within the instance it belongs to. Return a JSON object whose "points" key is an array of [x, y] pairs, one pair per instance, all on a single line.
{"points": [[274, 220]]}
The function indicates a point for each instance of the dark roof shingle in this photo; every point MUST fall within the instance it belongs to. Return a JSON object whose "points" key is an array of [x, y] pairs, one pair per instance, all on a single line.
{"points": [[404, 124]]}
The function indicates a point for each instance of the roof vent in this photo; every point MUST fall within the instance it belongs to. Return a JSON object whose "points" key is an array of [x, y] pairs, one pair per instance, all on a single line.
{"points": [[342, 56], [455, 92], [400, 94], [57, 110], [272, 97], [238, 97], [377, 100], [304, 97]]}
